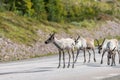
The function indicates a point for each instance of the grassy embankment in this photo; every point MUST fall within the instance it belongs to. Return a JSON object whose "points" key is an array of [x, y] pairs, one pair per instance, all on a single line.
{"points": [[23, 30]]}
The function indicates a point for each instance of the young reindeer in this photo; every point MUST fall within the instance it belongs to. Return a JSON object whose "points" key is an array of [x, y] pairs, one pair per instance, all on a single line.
{"points": [[62, 45], [106, 47], [85, 44]]}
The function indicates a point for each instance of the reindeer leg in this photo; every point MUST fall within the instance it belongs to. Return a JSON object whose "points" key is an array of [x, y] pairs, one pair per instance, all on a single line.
{"points": [[89, 55], [73, 58], [77, 55], [102, 56], [59, 58], [108, 61], [63, 59], [84, 56], [114, 60], [119, 55], [69, 59], [94, 55]]}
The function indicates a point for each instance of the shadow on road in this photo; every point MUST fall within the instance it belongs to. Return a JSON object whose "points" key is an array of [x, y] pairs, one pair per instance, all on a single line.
{"points": [[93, 65], [101, 65], [35, 70]]}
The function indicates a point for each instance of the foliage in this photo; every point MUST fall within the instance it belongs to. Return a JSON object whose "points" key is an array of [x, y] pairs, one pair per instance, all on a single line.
{"points": [[18, 29], [55, 10], [39, 9], [62, 10]]}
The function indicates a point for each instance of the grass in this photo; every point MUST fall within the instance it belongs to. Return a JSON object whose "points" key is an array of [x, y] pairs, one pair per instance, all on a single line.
{"points": [[88, 24], [118, 37], [17, 28], [22, 57], [23, 30]]}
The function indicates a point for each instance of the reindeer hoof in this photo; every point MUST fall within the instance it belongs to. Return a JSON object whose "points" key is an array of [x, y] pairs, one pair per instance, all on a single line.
{"points": [[73, 66], [94, 60], [84, 61], [75, 61], [68, 66], [58, 66], [89, 61], [64, 66]]}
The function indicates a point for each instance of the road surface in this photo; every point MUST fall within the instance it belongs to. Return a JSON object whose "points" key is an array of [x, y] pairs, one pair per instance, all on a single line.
{"points": [[45, 68]]}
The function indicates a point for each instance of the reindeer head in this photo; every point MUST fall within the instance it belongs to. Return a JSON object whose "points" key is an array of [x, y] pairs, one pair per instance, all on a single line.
{"points": [[100, 46], [50, 39], [76, 40]]}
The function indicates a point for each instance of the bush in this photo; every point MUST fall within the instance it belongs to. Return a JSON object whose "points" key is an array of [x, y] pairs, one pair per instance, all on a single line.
{"points": [[62, 10]]}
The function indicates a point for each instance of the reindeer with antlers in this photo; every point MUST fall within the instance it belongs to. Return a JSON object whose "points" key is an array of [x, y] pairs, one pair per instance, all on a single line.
{"points": [[110, 46], [62, 45]]}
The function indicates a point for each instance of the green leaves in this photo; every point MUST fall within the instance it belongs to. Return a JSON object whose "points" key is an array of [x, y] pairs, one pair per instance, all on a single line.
{"points": [[56, 10], [39, 9], [61, 10]]}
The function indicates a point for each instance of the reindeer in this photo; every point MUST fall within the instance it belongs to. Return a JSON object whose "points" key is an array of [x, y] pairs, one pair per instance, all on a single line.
{"points": [[106, 47], [62, 45], [85, 44]]}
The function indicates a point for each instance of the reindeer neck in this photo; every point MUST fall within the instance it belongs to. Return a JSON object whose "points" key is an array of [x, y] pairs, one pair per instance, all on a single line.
{"points": [[56, 43]]}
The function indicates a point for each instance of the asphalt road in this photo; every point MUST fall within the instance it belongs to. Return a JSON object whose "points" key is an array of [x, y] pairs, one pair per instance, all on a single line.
{"points": [[46, 69]]}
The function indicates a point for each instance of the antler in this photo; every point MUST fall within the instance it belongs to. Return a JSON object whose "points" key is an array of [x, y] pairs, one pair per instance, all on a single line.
{"points": [[97, 42], [52, 34], [114, 49], [103, 42], [78, 37]]}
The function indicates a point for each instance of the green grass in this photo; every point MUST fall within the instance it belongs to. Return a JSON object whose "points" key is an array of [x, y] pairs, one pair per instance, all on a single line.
{"points": [[88, 24], [23, 30], [23, 57], [17, 28]]}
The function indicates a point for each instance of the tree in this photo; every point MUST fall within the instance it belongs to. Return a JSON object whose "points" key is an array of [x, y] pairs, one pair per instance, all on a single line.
{"points": [[56, 10], [25, 6], [39, 8]]}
